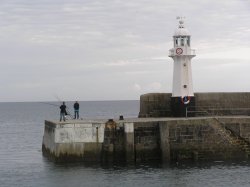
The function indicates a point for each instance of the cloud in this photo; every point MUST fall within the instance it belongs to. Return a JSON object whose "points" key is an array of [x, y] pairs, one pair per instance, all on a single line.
{"points": [[148, 87], [137, 87], [154, 86], [124, 63], [60, 44]]}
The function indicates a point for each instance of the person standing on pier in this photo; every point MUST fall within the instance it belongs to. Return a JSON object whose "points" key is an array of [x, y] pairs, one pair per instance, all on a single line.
{"points": [[63, 111], [76, 108]]}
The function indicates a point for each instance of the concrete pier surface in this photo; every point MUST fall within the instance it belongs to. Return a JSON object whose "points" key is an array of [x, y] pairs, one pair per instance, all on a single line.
{"points": [[148, 139]]}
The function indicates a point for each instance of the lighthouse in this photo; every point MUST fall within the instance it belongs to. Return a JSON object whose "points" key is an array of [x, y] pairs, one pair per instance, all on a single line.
{"points": [[182, 99]]}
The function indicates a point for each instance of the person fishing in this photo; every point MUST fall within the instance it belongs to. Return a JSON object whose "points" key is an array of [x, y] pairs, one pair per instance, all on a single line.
{"points": [[76, 109], [63, 111]]}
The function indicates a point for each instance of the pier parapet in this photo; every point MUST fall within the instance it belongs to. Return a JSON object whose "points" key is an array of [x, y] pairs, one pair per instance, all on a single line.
{"points": [[206, 104]]}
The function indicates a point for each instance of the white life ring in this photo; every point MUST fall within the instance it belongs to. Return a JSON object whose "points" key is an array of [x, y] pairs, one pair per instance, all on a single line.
{"points": [[185, 100]]}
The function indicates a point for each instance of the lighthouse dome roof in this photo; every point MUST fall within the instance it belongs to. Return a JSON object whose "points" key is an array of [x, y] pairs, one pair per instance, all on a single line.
{"points": [[181, 32]]}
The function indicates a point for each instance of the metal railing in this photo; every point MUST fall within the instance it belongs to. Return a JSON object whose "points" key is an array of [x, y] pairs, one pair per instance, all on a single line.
{"points": [[216, 111], [172, 52], [192, 52]]}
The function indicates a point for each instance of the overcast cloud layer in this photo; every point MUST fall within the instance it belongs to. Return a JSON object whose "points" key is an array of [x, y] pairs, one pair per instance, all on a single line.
{"points": [[117, 49]]}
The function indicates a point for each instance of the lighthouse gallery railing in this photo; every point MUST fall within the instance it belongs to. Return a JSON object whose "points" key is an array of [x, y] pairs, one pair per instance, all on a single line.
{"points": [[172, 52]]}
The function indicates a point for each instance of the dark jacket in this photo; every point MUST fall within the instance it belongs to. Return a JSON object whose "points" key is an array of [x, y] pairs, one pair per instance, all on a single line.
{"points": [[63, 108], [76, 106]]}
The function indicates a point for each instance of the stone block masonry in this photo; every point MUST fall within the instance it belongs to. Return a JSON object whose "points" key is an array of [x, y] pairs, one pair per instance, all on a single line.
{"points": [[148, 139], [206, 104], [200, 139]]}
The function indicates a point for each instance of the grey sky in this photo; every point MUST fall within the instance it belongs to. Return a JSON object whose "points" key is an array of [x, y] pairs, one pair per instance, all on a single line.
{"points": [[116, 49]]}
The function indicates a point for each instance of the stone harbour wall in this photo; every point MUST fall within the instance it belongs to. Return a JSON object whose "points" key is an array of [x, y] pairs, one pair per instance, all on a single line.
{"points": [[202, 139], [214, 103], [155, 105], [73, 141], [148, 139]]}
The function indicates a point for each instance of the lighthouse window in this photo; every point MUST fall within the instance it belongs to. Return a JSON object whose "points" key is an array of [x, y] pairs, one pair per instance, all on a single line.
{"points": [[188, 41], [182, 42], [185, 86], [179, 41]]}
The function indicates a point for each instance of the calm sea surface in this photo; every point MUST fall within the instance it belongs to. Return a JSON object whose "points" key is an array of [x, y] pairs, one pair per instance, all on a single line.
{"points": [[22, 163]]}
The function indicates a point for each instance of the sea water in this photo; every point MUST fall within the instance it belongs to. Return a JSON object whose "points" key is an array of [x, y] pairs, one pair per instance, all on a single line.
{"points": [[22, 163]]}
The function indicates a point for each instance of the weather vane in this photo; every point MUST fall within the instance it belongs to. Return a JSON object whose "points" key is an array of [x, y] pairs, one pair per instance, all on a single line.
{"points": [[181, 21], [180, 17]]}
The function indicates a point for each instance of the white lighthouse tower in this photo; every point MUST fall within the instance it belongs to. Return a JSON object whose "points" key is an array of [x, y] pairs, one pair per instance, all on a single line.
{"points": [[182, 93]]}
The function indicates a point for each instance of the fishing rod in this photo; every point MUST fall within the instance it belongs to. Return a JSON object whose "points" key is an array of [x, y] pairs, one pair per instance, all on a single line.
{"points": [[50, 104]]}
